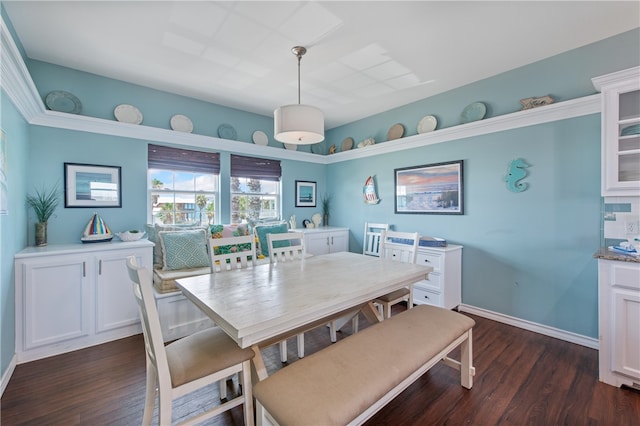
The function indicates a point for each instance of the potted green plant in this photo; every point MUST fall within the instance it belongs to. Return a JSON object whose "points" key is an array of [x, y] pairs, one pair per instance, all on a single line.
{"points": [[326, 207], [44, 203]]}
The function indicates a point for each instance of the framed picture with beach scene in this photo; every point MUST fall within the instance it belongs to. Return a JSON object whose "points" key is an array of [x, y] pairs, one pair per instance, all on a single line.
{"points": [[305, 194], [430, 189]]}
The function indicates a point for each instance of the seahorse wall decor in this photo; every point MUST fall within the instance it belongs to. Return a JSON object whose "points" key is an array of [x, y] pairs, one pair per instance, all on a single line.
{"points": [[515, 173]]}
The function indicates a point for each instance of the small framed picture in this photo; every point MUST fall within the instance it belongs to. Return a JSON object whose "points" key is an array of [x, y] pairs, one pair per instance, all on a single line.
{"points": [[430, 189], [89, 185], [305, 194]]}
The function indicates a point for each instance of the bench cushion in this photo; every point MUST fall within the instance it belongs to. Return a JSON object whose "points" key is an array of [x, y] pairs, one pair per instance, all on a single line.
{"points": [[165, 281], [335, 385]]}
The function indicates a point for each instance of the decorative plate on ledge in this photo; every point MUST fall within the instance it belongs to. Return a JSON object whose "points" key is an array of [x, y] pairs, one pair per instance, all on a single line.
{"points": [[128, 114], [473, 112], [181, 123], [226, 131], [427, 124], [62, 101]]}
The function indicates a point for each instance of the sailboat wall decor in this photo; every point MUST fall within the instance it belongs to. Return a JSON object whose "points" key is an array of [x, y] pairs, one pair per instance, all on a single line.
{"points": [[369, 191]]}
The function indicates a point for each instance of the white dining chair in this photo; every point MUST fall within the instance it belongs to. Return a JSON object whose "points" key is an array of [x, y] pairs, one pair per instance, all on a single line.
{"points": [[287, 247], [400, 247], [372, 237], [230, 253], [187, 364]]}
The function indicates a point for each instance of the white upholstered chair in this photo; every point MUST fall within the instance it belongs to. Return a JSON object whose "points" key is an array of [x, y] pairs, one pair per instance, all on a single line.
{"points": [[233, 253], [187, 364], [372, 238], [287, 247], [400, 247]]}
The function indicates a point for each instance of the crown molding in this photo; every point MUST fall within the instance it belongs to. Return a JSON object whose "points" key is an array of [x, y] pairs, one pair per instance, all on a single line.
{"points": [[614, 78], [17, 83]]}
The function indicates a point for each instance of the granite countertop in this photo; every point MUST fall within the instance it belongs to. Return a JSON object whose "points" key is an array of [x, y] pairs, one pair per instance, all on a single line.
{"points": [[604, 253]]}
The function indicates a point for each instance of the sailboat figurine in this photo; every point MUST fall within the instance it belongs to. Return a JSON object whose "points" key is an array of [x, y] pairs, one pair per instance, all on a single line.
{"points": [[96, 231], [369, 191]]}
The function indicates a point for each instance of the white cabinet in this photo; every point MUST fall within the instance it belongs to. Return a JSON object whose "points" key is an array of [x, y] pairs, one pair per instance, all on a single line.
{"points": [[325, 240], [73, 296], [619, 311], [620, 132], [443, 287], [179, 317]]}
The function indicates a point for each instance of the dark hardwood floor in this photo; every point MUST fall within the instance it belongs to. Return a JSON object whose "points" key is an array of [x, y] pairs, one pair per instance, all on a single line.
{"points": [[522, 378]]}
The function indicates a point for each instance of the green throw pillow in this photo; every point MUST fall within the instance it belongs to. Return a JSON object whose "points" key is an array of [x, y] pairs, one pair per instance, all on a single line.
{"points": [[184, 249], [263, 230]]}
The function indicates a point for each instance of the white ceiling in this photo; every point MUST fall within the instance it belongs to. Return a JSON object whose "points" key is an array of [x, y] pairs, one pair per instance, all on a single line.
{"points": [[364, 57]]}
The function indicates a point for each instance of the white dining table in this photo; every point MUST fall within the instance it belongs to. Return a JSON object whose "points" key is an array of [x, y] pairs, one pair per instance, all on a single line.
{"points": [[265, 304]]}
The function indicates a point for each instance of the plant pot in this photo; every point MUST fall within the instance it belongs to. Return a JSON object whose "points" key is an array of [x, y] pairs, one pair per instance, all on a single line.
{"points": [[41, 234]]}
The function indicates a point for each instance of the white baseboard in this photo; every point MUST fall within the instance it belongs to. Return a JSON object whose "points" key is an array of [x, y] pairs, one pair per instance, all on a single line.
{"points": [[568, 336], [7, 374]]}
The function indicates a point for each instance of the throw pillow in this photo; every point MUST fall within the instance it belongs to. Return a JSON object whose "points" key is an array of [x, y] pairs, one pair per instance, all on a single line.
{"points": [[261, 233], [184, 249], [226, 231], [158, 255]]}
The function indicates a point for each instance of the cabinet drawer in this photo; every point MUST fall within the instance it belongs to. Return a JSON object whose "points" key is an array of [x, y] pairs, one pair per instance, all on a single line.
{"points": [[430, 259], [626, 275], [423, 296], [433, 282]]}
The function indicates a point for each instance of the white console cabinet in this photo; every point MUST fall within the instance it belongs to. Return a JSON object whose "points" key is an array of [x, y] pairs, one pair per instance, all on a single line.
{"points": [[324, 240], [619, 311], [444, 285], [75, 295]]}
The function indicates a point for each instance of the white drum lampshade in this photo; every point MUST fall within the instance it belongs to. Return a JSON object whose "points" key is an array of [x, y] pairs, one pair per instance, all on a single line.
{"points": [[298, 124]]}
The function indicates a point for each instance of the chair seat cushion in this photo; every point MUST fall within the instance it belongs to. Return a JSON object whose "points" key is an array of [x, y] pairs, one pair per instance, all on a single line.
{"points": [[394, 295], [203, 353]]}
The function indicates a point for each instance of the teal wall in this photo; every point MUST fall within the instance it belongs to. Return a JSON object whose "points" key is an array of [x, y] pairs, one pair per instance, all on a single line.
{"points": [[13, 236], [527, 255], [51, 148]]}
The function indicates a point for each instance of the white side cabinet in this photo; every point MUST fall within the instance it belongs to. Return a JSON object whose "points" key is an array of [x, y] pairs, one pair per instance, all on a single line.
{"points": [[76, 295], [444, 285], [620, 132], [619, 310], [324, 240]]}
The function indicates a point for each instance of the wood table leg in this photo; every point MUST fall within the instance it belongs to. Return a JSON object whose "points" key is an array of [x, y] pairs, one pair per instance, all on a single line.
{"points": [[259, 370], [371, 313]]}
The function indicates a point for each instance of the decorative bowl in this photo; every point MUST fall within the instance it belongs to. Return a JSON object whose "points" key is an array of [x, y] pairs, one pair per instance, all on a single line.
{"points": [[130, 236]]}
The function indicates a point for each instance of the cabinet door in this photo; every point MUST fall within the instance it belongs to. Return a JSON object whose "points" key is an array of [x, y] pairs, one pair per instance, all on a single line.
{"points": [[56, 299], [626, 333], [115, 304], [317, 242], [621, 139], [339, 241]]}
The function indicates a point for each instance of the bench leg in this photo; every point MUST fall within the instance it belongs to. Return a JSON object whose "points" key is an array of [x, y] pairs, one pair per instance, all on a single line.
{"points": [[466, 361], [283, 351], [300, 338]]}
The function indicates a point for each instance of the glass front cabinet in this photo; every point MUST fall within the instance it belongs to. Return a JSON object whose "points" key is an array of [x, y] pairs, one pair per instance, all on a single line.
{"points": [[620, 132]]}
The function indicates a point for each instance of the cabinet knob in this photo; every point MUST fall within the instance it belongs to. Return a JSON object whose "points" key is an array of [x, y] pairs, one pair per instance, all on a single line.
{"points": [[426, 297], [426, 260]]}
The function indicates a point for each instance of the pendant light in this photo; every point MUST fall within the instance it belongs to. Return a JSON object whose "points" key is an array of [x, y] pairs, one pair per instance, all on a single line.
{"points": [[298, 124]]}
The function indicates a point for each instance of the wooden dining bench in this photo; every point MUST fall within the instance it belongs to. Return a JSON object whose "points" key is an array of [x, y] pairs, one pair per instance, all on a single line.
{"points": [[349, 381]]}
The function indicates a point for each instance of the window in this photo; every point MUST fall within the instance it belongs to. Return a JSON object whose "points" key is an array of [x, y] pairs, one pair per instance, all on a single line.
{"points": [[255, 189], [183, 186]]}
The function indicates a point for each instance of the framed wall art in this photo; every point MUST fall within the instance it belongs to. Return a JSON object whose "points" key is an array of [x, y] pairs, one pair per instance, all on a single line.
{"points": [[305, 194], [430, 189], [89, 185]]}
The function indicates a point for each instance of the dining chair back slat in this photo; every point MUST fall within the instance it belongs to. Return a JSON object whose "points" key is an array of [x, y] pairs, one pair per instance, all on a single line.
{"points": [[372, 238], [231, 253]]}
